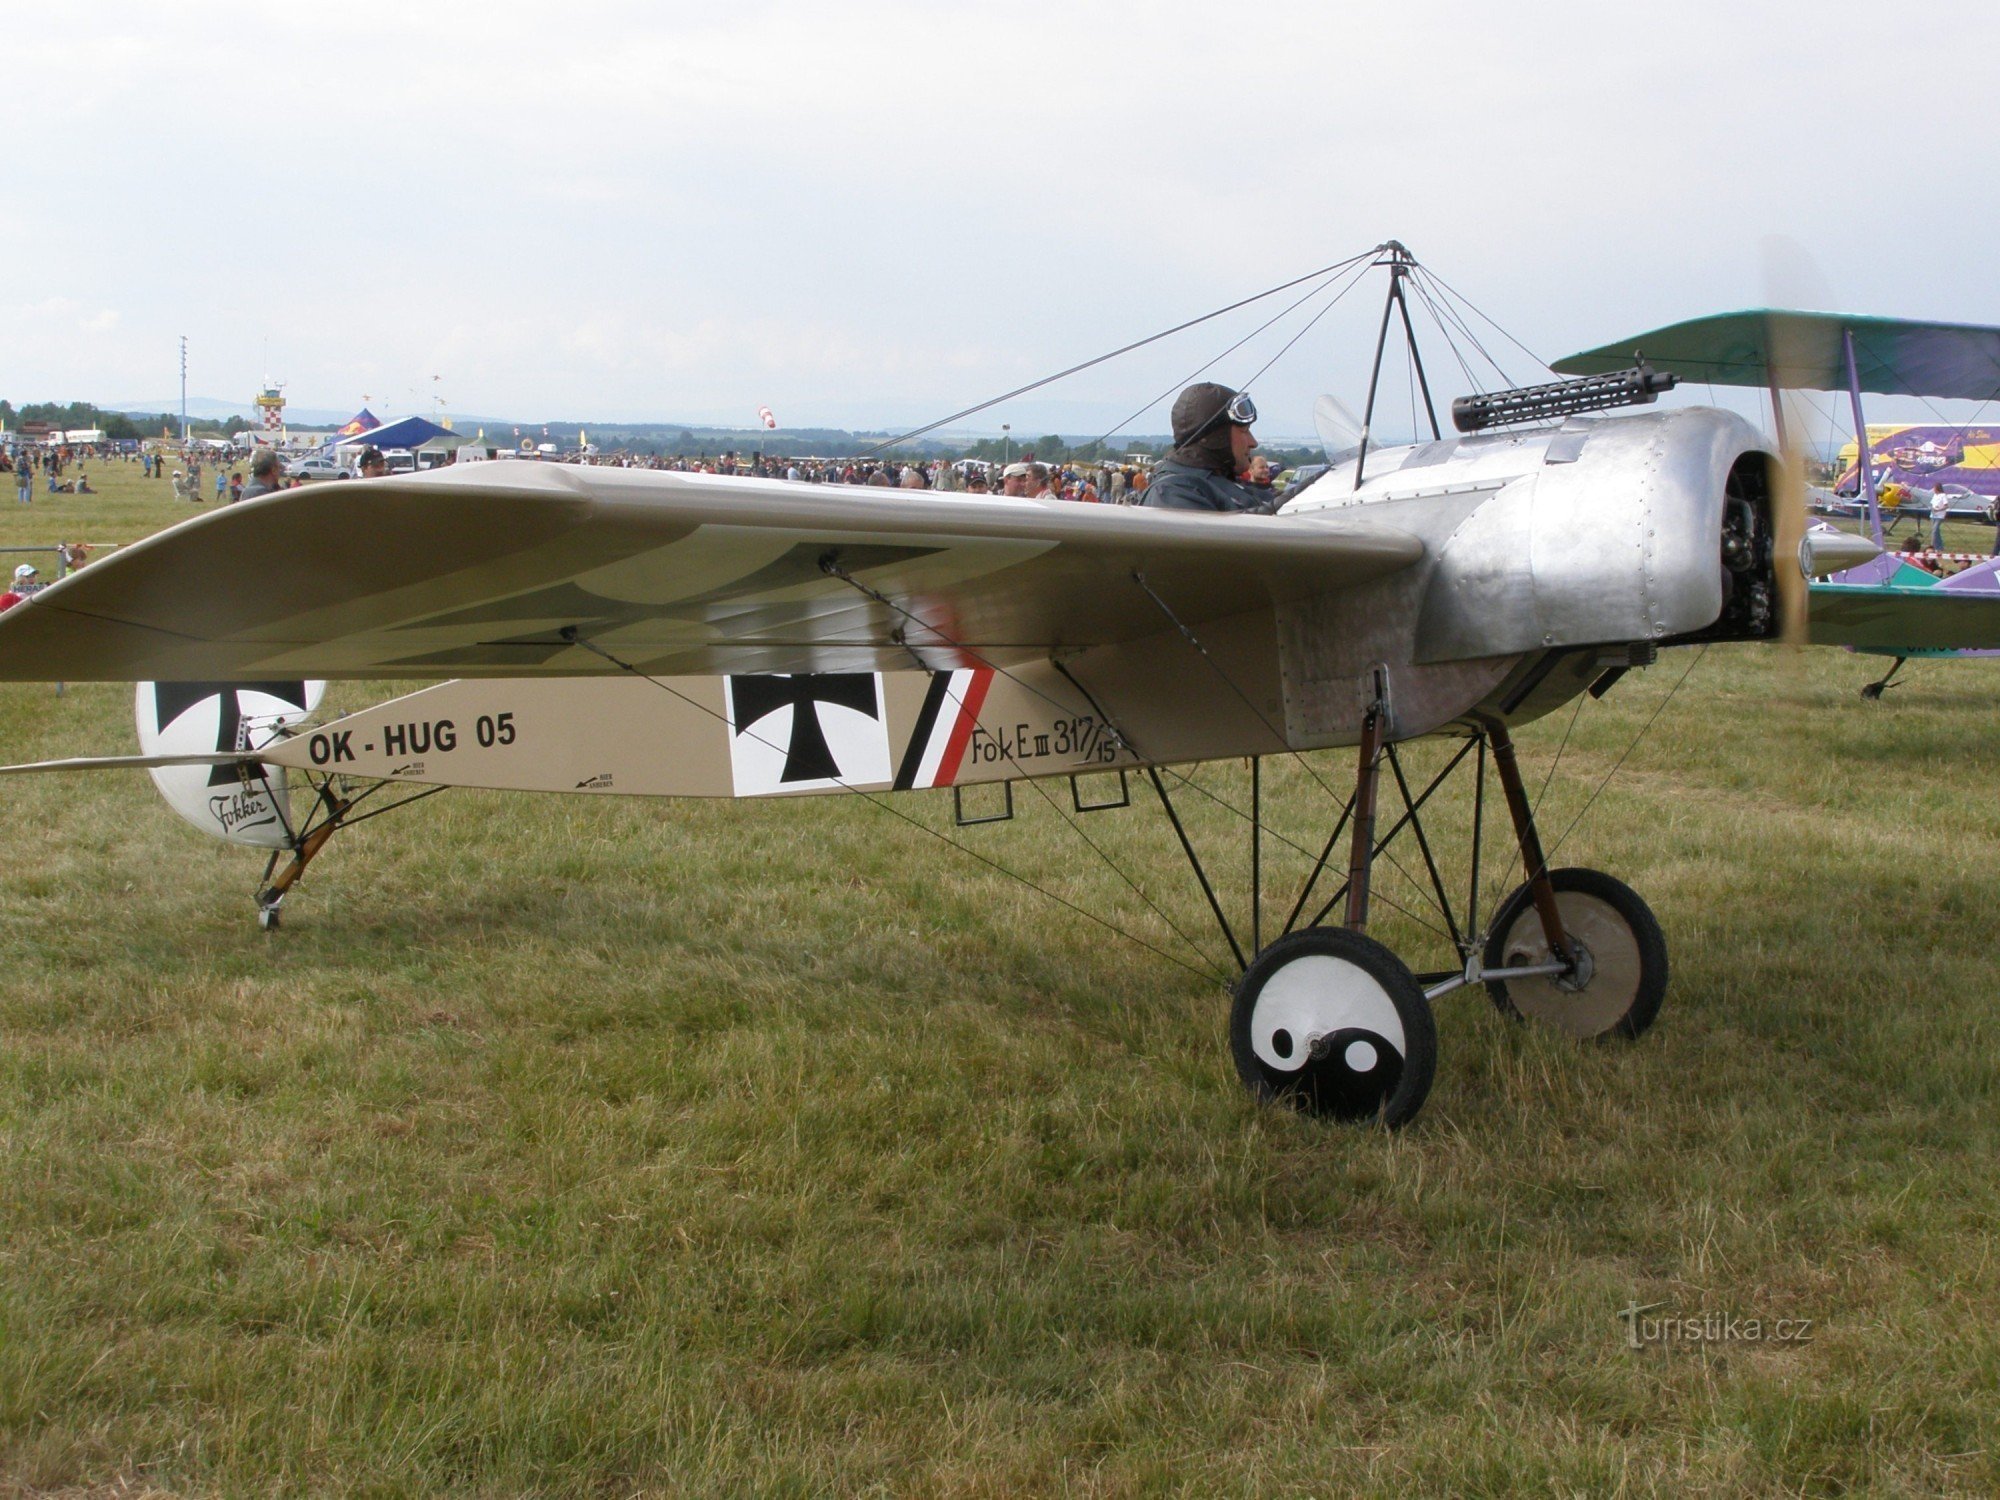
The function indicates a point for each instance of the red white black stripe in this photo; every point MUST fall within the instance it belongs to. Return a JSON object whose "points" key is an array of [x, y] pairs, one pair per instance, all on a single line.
{"points": [[944, 728]]}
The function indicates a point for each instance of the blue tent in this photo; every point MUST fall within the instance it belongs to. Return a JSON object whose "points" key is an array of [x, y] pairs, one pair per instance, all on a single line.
{"points": [[410, 432]]}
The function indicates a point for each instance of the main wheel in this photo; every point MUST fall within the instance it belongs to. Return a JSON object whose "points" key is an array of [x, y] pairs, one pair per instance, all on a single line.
{"points": [[1332, 1023], [1621, 972]]}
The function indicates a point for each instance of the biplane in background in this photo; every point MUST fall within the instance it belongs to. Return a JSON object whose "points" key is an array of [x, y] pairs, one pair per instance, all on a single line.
{"points": [[609, 631], [1884, 606]]}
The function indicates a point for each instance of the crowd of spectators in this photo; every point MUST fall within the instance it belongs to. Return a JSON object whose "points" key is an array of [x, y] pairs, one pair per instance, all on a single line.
{"points": [[49, 468], [1111, 483]]}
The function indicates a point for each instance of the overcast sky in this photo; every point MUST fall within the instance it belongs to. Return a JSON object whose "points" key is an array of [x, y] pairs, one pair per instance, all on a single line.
{"points": [[873, 212]]}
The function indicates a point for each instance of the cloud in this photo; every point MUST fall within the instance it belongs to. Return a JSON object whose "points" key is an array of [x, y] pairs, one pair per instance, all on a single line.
{"points": [[641, 207]]}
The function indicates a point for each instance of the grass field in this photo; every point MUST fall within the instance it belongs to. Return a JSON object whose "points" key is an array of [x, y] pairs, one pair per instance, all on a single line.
{"points": [[619, 1147]]}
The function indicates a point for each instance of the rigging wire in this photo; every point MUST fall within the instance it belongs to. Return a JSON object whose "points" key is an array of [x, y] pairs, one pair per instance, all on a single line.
{"points": [[1231, 683], [1182, 779], [1206, 365], [1287, 346], [973, 655], [1034, 385], [1549, 857], [577, 638], [1444, 331], [1462, 300], [1457, 320], [1075, 826]]}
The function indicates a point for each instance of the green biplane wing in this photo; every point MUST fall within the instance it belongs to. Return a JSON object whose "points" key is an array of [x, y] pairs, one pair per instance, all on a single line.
{"points": [[1903, 619], [1803, 350]]}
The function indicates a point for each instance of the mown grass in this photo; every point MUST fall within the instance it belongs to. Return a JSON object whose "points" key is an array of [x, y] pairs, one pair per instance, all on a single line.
{"points": [[578, 1147]]}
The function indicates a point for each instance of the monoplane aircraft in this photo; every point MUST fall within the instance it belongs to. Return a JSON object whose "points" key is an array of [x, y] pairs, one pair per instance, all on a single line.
{"points": [[624, 632]]}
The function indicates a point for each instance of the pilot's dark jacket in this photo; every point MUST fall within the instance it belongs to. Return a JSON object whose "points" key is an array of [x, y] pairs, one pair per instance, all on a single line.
{"points": [[1183, 486]]}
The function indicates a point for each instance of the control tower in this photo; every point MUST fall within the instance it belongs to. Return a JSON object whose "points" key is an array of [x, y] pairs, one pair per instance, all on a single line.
{"points": [[271, 405]]}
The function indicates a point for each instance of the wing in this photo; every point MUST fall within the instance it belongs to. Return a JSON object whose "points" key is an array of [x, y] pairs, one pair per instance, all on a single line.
{"points": [[1766, 346], [1878, 617], [501, 570]]}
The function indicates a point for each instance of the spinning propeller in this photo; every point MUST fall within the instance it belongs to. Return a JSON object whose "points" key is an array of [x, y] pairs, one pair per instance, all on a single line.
{"points": [[1791, 279]]}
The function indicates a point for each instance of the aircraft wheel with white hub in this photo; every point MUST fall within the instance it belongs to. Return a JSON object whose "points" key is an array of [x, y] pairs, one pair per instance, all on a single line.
{"points": [[1331, 1022], [1621, 970]]}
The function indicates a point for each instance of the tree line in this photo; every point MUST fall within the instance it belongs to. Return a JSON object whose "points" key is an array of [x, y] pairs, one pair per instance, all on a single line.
{"points": [[115, 425]]}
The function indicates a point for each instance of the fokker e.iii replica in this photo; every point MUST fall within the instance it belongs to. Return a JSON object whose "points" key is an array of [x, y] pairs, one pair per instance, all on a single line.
{"points": [[603, 631]]}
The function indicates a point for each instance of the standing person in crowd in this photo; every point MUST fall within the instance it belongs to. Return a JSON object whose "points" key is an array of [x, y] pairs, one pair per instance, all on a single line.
{"points": [[267, 475], [24, 479], [1940, 508], [1212, 445], [947, 477], [26, 581], [913, 478], [373, 464], [221, 483], [235, 487], [1041, 486], [1120, 489], [1014, 480]]}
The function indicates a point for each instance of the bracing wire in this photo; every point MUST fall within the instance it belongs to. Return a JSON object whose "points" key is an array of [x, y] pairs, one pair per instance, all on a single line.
{"points": [[884, 805], [1444, 331], [1549, 857], [1034, 385], [1463, 301], [1457, 320], [1209, 364]]}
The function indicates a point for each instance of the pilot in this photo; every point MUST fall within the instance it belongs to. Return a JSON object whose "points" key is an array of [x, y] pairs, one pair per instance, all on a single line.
{"points": [[1212, 445]]}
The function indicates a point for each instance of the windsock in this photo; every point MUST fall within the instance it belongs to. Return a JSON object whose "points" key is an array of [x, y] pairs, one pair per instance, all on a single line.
{"points": [[765, 416]]}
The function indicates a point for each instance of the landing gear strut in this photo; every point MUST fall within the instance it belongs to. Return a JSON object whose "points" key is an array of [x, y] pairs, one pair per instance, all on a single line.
{"points": [[1875, 689], [1329, 1021], [333, 810], [271, 894]]}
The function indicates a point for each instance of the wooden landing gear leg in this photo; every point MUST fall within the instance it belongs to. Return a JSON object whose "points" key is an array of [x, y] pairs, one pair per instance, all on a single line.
{"points": [[1611, 951], [272, 894]]}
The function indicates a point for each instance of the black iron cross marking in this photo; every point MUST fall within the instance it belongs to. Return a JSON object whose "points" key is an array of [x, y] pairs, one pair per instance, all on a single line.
{"points": [[172, 699], [808, 757]]}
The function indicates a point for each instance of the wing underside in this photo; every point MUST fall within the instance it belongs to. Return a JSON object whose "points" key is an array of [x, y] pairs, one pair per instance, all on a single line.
{"points": [[1808, 350], [1873, 617], [544, 571]]}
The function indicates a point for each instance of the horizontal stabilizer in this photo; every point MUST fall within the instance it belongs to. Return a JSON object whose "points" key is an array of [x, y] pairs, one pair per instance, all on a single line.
{"points": [[133, 762]]}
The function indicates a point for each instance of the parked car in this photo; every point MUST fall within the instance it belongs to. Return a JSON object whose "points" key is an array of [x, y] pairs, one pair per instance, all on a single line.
{"points": [[401, 461], [316, 467]]}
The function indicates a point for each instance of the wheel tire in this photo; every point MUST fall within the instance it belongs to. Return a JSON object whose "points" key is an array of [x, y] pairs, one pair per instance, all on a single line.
{"points": [[1378, 1041], [1628, 955]]}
